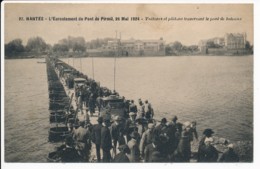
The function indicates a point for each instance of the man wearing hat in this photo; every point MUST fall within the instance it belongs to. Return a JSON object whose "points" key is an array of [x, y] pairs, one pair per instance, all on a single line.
{"points": [[208, 152], [96, 136], [69, 153], [106, 141], [91, 104], [148, 110], [140, 108], [122, 157], [147, 138], [82, 138], [161, 128], [134, 147], [207, 134], [140, 124], [130, 125], [173, 134], [132, 107], [117, 132]]}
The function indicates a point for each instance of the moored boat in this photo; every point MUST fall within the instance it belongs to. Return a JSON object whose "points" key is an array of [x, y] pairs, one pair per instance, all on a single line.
{"points": [[58, 117], [58, 133]]}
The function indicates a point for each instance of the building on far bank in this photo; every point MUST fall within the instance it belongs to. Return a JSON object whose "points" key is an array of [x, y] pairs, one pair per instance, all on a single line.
{"points": [[219, 41], [135, 47], [202, 45], [112, 44], [235, 40], [230, 42]]}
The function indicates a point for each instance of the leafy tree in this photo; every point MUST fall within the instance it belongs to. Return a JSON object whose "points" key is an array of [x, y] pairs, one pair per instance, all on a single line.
{"points": [[97, 43], [168, 50], [193, 48], [247, 45], [14, 46], [36, 44], [60, 48], [177, 46], [77, 44], [77, 47], [64, 42], [210, 44]]}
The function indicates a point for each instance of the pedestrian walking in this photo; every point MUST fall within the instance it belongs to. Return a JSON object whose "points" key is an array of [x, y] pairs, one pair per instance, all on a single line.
{"points": [[96, 137], [82, 137], [134, 147], [106, 141], [147, 138]]}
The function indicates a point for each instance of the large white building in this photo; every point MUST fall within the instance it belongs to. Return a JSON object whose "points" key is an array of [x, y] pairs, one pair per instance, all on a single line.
{"points": [[137, 47], [229, 41], [235, 40]]}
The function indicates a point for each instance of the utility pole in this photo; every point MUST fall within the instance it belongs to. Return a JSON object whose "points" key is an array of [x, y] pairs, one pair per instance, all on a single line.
{"points": [[115, 65], [93, 68], [80, 65]]}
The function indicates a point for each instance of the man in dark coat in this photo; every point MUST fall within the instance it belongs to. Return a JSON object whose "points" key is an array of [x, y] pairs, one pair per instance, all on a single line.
{"points": [[91, 104], [122, 156], [117, 132], [132, 107], [69, 153], [171, 132], [161, 128], [229, 155], [207, 134], [208, 152], [96, 136], [106, 141], [130, 125]]}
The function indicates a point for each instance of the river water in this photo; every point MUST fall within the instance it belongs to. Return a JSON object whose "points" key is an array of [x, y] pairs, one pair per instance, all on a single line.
{"points": [[217, 92]]}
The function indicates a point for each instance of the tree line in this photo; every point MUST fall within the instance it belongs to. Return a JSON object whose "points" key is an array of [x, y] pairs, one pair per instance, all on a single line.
{"points": [[177, 48], [34, 45], [37, 45], [75, 44]]}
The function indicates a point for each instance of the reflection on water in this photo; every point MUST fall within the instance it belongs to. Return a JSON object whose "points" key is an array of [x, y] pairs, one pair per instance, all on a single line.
{"points": [[217, 92]]}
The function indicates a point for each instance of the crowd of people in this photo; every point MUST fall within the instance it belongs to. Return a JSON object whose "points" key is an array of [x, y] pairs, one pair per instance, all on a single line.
{"points": [[136, 137], [140, 140]]}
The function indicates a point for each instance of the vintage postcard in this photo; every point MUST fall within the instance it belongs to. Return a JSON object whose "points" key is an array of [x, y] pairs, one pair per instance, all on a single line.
{"points": [[128, 82]]}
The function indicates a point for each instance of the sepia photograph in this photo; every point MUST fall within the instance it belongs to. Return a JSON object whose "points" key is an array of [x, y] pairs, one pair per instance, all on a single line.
{"points": [[128, 82]]}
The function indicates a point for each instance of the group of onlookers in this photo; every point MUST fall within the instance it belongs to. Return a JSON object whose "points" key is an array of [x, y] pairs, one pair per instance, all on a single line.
{"points": [[142, 140]]}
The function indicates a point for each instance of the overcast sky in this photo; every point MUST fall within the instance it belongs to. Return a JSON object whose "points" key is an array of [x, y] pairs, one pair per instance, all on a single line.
{"points": [[187, 32]]}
